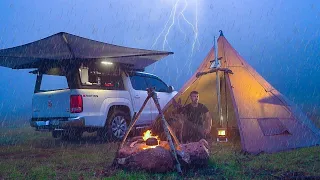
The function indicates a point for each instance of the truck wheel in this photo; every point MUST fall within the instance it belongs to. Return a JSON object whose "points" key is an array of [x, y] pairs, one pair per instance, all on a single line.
{"points": [[116, 126]]}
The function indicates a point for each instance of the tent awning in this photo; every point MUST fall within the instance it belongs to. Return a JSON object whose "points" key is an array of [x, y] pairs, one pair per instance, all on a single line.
{"points": [[64, 47]]}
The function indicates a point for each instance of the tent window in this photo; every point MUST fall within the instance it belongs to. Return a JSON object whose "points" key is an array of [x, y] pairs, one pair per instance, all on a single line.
{"points": [[272, 127]]}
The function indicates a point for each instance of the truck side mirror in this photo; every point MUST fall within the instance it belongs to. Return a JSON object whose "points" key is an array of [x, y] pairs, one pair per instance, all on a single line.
{"points": [[170, 89]]}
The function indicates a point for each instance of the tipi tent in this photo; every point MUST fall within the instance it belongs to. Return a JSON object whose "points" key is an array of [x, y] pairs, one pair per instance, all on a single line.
{"points": [[266, 120]]}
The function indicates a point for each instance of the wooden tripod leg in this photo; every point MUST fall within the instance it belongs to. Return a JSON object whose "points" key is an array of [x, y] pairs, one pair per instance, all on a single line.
{"points": [[166, 130], [133, 122]]}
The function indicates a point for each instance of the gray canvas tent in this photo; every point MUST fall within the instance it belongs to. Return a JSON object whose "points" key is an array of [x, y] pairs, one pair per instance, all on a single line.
{"points": [[67, 48], [266, 120]]}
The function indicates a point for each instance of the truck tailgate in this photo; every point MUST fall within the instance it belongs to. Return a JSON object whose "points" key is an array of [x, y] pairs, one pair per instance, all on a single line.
{"points": [[51, 104]]}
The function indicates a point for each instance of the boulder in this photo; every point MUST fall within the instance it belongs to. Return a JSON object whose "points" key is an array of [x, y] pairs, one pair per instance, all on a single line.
{"points": [[198, 152], [154, 159]]}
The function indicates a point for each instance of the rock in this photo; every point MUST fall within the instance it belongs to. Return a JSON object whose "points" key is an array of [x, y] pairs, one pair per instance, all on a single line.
{"points": [[154, 159], [127, 151], [198, 152]]}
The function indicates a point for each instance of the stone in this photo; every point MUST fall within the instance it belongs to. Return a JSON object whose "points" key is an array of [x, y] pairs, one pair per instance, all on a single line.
{"points": [[154, 159]]}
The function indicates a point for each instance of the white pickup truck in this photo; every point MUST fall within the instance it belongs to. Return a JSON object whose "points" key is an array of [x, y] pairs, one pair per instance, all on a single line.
{"points": [[94, 97], [101, 85]]}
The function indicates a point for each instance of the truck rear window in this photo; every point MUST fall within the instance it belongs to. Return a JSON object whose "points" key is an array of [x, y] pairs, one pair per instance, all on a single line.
{"points": [[53, 82]]}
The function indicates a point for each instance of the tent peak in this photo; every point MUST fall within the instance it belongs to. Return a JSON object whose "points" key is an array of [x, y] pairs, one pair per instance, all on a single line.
{"points": [[60, 33], [221, 33]]}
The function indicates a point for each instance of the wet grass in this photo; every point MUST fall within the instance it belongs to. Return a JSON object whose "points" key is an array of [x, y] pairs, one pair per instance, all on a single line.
{"points": [[27, 154]]}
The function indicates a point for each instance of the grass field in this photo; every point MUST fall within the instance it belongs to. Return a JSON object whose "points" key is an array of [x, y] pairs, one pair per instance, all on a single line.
{"points": [[26, 154]]}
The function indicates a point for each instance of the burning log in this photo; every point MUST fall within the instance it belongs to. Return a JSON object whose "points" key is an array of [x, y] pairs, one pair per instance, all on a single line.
{"points": [[152, 142], [140, 143]]}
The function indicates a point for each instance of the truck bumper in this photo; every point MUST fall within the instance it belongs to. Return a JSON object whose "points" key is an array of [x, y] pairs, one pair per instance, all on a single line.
{"points": [[57, 123]]}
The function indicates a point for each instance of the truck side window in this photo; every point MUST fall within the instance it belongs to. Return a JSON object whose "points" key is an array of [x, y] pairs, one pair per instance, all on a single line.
{"points": [[157, 84], [138, 83]]}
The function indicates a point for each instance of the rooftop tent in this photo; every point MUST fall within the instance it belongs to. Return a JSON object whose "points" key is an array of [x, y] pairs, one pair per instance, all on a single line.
{"points": [[266, 120], [67, 48]]}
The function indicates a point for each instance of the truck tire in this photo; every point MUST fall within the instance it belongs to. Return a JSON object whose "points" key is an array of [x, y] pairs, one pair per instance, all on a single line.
{"points": [[116, 126]]}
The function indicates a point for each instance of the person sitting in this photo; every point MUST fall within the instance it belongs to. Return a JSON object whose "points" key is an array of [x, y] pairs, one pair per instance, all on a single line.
{"points": [[190, 123], [197, 123]]}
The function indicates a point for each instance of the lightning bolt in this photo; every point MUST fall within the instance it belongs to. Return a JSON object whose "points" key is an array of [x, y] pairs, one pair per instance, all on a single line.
{"points": [[179, 16], [195, 31], [172, 14], [168, 31], [194, 28], [172, 17]]}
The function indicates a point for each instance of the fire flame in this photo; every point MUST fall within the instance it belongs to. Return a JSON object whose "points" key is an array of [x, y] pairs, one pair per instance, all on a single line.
{"points": [[147, 135]]}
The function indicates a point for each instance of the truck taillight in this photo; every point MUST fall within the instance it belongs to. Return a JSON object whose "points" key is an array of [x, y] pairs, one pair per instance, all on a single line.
{"points": [[76, 104]]}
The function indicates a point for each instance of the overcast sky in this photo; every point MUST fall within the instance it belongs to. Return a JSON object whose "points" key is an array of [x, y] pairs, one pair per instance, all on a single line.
{"points": [[279, 38]]}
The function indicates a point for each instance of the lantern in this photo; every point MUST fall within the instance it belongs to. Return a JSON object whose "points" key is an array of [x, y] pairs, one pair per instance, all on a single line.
{"points": [[222, 135]]}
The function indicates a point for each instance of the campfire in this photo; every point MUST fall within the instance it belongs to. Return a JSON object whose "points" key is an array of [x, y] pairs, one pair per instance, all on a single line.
{"points": [[150, 141], [148, 153]]}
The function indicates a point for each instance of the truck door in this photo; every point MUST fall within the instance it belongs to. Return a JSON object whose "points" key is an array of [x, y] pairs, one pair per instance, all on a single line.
{"points": [[139, 94], [162, 93]]}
